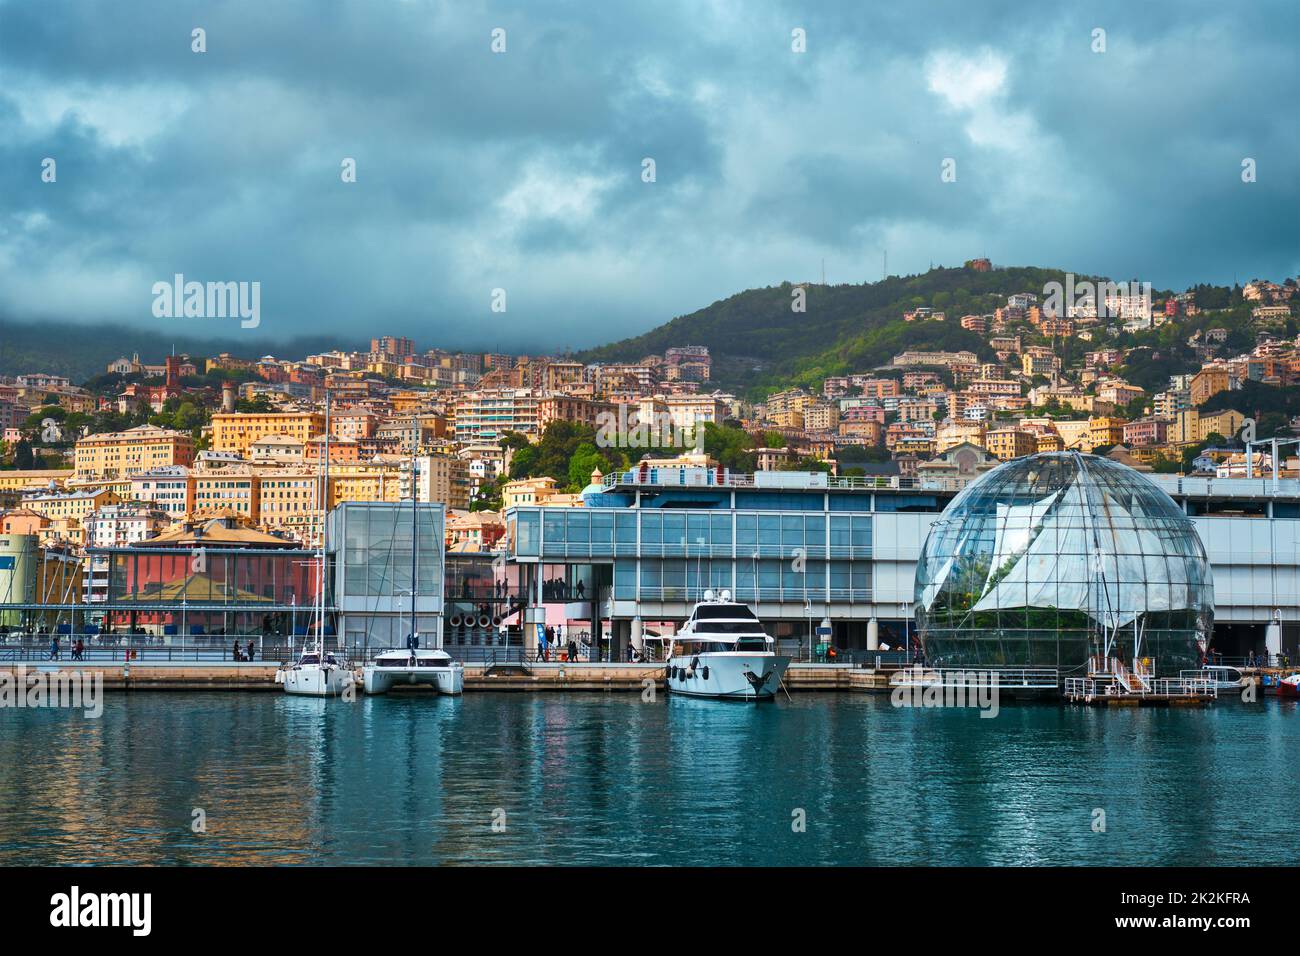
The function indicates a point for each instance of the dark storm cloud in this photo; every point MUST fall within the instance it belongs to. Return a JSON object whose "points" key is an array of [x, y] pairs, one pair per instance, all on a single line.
{"points": [[522, 171]]}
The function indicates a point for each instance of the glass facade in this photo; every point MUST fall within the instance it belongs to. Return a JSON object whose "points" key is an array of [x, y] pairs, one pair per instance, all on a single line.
{"points": [[241, 578], [1049, 559], [675, 554], [208, 591], [376, 541]]}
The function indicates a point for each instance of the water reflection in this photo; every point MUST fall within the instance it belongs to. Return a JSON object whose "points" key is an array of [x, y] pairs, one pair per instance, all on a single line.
{"points": [[579, 778]]}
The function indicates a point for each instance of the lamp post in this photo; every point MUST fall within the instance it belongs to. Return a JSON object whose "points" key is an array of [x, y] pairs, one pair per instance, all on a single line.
{"points": [[807, 606], [907, 632]]}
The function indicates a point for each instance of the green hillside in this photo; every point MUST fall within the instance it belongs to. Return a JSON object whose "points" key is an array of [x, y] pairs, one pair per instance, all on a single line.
{"points": [[758, 343]]}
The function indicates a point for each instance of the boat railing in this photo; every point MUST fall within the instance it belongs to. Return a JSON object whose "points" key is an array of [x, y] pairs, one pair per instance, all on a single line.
{"points": [[1109, 686], [1009, 678]]}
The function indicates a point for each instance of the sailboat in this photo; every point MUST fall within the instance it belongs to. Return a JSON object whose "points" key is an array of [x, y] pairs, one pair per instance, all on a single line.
{"points": [[414, 664], [319, 672]]}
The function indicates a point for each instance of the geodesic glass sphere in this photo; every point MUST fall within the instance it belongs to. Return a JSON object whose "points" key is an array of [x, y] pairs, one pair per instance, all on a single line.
{"points": [[1048, 559]]}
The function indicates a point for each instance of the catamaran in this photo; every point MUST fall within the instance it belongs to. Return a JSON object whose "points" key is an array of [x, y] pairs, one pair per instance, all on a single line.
{"points": [[319, 672], [414, 664], [723, 651]]}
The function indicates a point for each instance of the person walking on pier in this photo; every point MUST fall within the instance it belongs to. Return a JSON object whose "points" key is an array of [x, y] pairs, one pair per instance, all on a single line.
{"points": [[54, 648], [79, 650], [235, 655], [250, 650]]}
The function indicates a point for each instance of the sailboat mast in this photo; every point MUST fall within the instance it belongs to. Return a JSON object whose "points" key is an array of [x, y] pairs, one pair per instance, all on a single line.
{"points": [[324, 516], [415, 545]]}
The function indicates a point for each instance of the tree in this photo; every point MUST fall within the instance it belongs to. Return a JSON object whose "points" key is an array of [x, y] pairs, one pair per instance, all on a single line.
{"points": [[23, 459], [586, 459]]}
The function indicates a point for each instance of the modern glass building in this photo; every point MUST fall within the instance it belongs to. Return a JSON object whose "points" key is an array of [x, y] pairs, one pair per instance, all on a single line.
{"points": [[376, 564], [798, 547], [1051, 558]]}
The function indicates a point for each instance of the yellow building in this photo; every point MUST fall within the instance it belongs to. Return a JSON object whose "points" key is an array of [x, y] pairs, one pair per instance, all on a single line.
{"points": [[236, 432], [1226, 423], [123, 454], [1075, 434], [367, 482], [527, 491], [955, 431], [1048, 441], [71, 506], [1037, 364], [1008, 443], [32, 479], [1106, 431], [289, 500], [1191, 427], [825, 416]]}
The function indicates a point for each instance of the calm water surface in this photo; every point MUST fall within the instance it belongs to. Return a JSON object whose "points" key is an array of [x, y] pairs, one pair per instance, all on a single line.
{"points": [[607, 779]]}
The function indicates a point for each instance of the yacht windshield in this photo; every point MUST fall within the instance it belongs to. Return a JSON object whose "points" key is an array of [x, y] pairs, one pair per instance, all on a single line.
{"points": [[725, 627], [705, 611]]}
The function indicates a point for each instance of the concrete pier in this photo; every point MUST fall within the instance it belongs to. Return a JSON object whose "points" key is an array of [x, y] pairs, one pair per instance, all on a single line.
{"points": [[260, 675], [163, 675]]}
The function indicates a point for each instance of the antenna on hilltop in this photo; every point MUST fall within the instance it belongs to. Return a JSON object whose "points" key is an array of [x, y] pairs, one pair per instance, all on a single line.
{"points": [[823, 270]]}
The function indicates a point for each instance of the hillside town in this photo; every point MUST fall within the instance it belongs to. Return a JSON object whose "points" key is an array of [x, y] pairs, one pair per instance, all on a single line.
{"points": [[182, 446]]}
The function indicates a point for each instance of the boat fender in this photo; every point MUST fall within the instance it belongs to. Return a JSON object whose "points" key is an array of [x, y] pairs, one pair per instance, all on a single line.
{"points": [[691, 672], [706, 672]]}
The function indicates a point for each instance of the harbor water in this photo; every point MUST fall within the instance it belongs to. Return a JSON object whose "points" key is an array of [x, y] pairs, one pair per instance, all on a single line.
{"points": [[496, 778]]}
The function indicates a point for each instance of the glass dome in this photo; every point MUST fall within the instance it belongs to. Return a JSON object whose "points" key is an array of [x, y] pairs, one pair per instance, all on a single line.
{"points": [[1051, 558]]}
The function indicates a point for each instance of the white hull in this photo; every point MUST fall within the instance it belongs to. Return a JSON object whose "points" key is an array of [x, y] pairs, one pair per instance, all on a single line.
{"points": [[312, 680], [738, 675], [447, 680]]}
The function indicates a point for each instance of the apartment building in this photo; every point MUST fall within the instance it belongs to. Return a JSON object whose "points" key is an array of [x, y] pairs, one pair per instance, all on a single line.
{"points": [[444, 478], [1209, 381], [234, 488], [1008, 443], [236, 432], [1106, 430], [289, 500], [123, 454], [563, 408], [167, 489], [487, 414], [120, 525], [955, 431], [71, 506], [821, 417]]}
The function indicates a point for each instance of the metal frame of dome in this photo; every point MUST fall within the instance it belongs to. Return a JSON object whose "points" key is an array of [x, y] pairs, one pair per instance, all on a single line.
{"points": [[1049, 559]]}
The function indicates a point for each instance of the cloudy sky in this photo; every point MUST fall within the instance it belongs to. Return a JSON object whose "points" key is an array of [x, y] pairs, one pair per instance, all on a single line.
{"points": [[523, 170]]}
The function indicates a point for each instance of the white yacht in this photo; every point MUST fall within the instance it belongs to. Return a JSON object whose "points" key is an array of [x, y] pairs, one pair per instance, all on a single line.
{"points": [[723, 651], [419, 665]]}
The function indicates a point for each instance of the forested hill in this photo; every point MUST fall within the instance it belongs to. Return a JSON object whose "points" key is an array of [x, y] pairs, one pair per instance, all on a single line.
{"points": [[757, 341], [83, 351]]}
